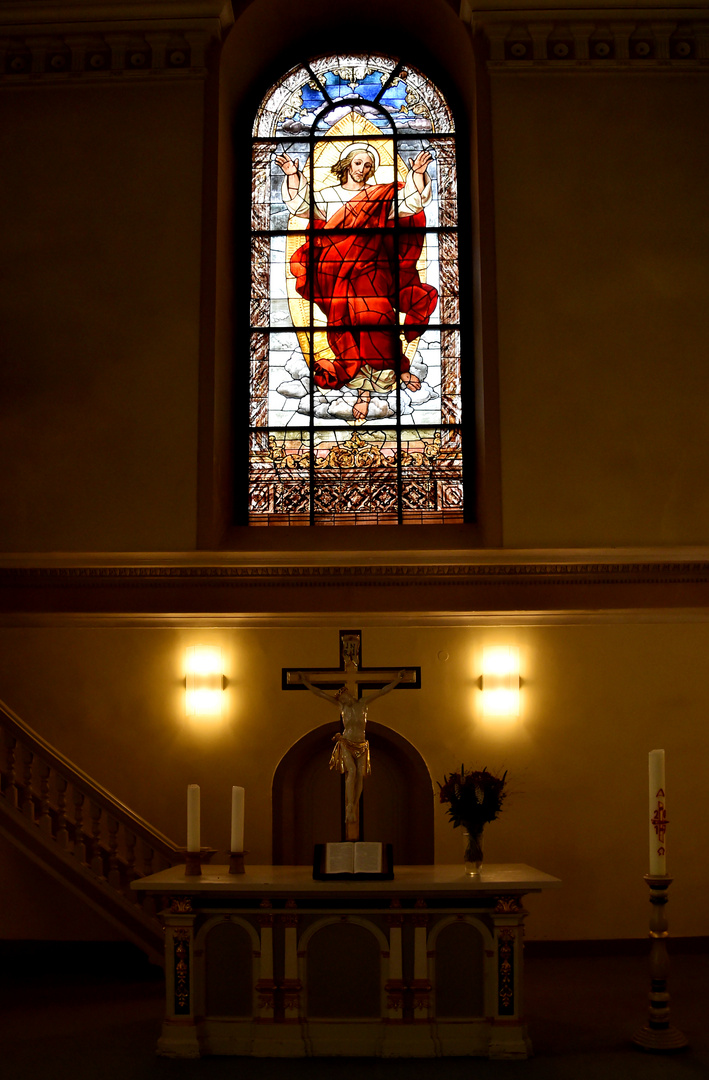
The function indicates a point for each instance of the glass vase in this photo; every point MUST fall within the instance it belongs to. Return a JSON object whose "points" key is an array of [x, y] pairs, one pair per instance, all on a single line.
{"points": [[473, 856]]}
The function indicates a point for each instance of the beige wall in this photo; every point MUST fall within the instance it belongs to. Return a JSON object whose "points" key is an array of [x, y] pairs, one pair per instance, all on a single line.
{"points": [[597, 698], [603, 274], [100, 315]]}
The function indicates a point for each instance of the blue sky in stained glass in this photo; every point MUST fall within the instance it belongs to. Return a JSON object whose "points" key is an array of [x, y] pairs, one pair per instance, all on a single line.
{"points": [[368, 87], [313, 100]]}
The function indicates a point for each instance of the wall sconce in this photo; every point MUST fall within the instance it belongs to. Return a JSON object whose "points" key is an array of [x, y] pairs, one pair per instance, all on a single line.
{"points": [[500, 681], [204, 681]]}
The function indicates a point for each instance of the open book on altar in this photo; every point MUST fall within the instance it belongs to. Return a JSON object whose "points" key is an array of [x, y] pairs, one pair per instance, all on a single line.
{"points": [[364, 860]]}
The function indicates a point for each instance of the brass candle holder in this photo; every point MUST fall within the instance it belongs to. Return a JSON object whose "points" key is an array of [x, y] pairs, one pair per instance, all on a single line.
{"points": [[194, 860], [658, 1034], [236, 862]]}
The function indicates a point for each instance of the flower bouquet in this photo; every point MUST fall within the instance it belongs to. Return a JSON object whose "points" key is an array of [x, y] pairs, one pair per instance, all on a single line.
{"points": [[473, 798]]}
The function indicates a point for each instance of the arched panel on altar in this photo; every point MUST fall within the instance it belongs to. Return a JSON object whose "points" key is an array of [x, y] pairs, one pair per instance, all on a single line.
{"points": [[397, 805], [228, 957], [344, 969], [459, 969]]}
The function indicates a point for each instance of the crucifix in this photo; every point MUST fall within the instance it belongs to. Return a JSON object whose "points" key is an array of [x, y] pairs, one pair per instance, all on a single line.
{"points": [[351, 753]]}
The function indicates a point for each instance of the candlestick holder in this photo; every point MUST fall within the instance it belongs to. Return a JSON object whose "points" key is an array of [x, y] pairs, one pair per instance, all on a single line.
{"points": [[658, 1034], [194, 860], [236, 862]]}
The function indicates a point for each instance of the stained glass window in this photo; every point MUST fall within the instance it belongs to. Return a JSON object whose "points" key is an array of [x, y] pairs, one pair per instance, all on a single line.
{"points": [[355, 357]]}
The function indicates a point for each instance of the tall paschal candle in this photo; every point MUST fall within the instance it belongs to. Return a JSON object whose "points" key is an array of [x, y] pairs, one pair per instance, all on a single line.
{"points": [[658, 814]]}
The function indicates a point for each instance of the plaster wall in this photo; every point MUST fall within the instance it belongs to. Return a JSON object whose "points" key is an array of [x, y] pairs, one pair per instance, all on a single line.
{"points": [[597, 697], [101, 238], [602, 276]]}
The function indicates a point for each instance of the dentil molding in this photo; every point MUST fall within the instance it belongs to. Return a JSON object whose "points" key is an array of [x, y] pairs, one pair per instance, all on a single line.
{"points": [[99, 41], [563, 39]]}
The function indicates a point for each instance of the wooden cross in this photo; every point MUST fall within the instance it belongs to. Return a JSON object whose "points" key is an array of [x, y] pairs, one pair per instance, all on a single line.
{"points": [[355, 677], [351, 673]]}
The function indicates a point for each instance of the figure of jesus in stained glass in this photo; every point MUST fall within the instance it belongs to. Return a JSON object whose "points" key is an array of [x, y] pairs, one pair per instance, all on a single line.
{"points": [[351, 276]]}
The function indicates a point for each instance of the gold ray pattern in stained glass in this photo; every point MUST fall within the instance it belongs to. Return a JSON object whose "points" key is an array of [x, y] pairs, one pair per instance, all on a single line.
{"points": [[325, 155]]}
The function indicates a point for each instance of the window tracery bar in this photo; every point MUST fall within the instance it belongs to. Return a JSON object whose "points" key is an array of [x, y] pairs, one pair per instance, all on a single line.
{"points": [[355, 361]]}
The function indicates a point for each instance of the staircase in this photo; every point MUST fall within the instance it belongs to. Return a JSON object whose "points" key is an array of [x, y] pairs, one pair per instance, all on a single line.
{"points": [[81, 834]]}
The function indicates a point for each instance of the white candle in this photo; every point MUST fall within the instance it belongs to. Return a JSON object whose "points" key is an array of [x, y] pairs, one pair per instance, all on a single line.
{"points": [[237, 819], [193, 817], [658, 814]]}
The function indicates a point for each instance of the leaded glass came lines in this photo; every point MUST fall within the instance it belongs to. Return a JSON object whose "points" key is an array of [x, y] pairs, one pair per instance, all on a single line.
{"points": [[355, 362]]}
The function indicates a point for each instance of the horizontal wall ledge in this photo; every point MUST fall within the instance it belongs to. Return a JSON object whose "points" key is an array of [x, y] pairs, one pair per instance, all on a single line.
{"points": [[452, 582]]}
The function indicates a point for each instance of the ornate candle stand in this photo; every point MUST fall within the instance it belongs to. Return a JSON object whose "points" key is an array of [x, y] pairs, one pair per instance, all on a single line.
{"points": [[194, 860], [236, 862], [658, 1034]]}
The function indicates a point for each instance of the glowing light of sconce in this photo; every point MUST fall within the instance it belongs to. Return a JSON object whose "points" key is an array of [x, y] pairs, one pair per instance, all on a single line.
{"points": [[500, 681], [204, 681]]}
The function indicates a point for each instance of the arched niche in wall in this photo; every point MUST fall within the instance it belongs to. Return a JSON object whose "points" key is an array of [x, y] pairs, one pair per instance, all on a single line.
{"points": [[397, 804]]}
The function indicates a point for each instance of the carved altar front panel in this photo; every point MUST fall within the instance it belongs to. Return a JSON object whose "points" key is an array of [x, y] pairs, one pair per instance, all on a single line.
{"points": [[427, 965]]}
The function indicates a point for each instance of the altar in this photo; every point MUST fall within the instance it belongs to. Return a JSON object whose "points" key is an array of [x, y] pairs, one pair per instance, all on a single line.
{"points": [[272, 963]]}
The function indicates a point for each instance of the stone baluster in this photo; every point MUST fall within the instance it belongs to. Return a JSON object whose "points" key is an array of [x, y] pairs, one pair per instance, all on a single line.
{"points": [[27, 798], [129, 840], [62, 833], [80, 849], [45, 815], [148, 853], [148, 901], [11, 785], [96, 852], [114, 870]]}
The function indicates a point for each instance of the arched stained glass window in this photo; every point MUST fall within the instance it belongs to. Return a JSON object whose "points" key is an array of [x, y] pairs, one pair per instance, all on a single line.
{"points": [[354, 382]]}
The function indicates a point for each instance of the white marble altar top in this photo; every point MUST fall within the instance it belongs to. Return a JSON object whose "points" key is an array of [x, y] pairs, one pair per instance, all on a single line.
{"points": [[292, 881]]}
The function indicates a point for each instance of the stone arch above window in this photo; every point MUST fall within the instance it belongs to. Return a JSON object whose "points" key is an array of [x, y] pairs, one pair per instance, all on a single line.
{"points": [[355, 406]]}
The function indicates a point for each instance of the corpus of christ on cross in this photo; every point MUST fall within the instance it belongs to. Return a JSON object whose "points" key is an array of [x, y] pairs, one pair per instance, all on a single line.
{"points": [[342, 687]]}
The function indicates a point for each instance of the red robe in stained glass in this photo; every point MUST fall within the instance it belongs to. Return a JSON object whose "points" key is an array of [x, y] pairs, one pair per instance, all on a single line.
{"points": [[361, 285]]}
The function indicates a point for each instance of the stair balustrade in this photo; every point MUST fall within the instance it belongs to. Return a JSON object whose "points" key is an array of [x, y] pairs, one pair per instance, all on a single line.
{"points": [[76, 815]]}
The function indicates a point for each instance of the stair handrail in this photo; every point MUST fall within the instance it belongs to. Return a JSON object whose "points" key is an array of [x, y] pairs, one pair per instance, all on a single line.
{"points": [[11, 722]]}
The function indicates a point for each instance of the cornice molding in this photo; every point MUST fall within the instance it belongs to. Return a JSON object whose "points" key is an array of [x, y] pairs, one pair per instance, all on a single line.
{"points": [[586, 572], [337, 557], [95, 42], [563, 40], [438, 620], [452, 582], [29, 13]]}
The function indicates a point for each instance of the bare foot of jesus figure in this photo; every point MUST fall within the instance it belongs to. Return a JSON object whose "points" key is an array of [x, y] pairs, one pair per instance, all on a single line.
{"points": [[361, 405], [410, 381]]}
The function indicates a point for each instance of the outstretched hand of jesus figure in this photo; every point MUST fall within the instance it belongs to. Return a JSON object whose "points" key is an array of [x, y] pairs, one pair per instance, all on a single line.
{"points": [[419, 169], [291, 169]]}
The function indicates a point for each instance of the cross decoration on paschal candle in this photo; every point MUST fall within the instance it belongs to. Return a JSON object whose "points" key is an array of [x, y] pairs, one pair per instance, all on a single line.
{"points": [[659, 821]]}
